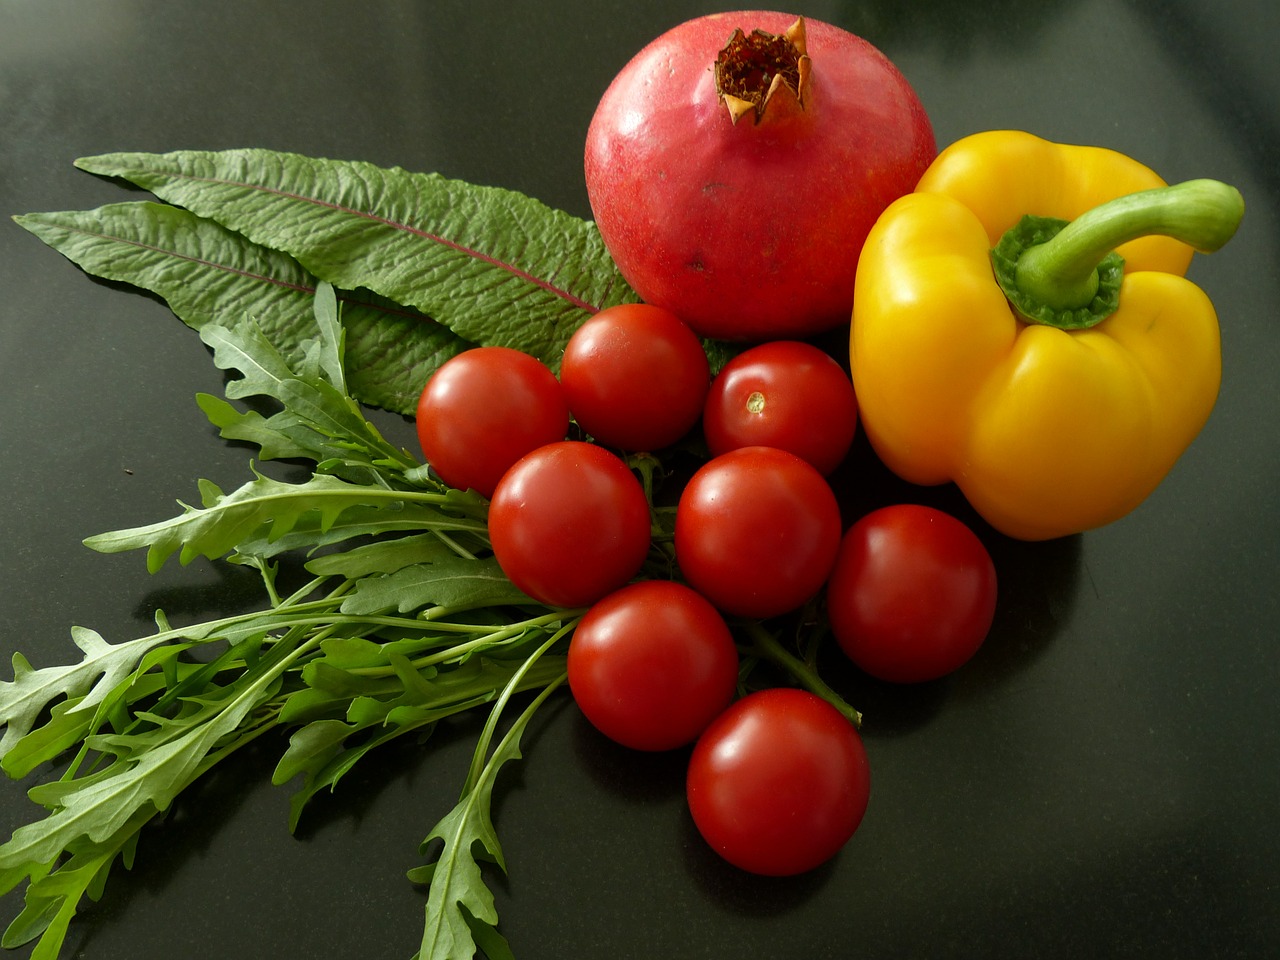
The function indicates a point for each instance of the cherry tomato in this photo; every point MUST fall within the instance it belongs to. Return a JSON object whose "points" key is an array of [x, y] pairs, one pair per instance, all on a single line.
{"points": [[912, 595], [483, 410], [779, 782], [569, 523], [652, 664], [783, 394], [757, 530], [635, 377]]}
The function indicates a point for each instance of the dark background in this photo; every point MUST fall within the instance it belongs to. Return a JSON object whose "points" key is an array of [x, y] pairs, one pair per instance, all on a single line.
{"points": [[1103, 780]]}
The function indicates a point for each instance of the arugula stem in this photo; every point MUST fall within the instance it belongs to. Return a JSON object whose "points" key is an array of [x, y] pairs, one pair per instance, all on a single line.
{"points": [[454, 545], [479, 510], [296, 598], [209, 631], [480, 766], [766, 645], [324, 612], [488, 639], [516, 630]]}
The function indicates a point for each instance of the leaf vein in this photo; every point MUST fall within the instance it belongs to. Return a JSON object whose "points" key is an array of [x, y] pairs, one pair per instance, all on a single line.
{"points": [[188, 258], [444, 241]]}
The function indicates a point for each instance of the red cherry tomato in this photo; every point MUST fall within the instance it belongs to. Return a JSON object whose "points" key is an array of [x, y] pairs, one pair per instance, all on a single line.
{"points": [[783, 394], [779, 782], [485, 409], [569, 523], [912, 595], [757, 530], [635, 377], [652, 664]]}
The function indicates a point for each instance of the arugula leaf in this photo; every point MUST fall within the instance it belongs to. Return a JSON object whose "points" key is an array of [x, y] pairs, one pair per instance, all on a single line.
{"points": [[326, 353], [93, 817], [88, 682], [323, 750], [420, 625], [494, 265], [269, 508], [456, 582], [311, 533], [207, 274], [53, 896], [151, 770], [381, 556], [318, 419], [459, 904]]}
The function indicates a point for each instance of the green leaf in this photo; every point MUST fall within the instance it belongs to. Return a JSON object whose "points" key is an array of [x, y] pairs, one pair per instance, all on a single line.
{"points": [[311, 531], [103, 667], [381, 556], [319, 751], [318, 420], [311, 750], [54, 895], [152, 764], [330, 348], [272, 437], [263, 506], [456, 582], [207, 273], [380, 709], [95, 818], [65, 727], [101, 805], [458, 899], [493, 944], [495, 266]]}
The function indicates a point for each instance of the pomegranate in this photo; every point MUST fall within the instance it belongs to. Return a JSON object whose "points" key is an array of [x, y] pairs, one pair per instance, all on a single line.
{"points": [[736, 164]]}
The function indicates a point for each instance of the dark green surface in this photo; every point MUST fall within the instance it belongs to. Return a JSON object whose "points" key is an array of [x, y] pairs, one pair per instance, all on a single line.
{"points": [[1102, 781]]}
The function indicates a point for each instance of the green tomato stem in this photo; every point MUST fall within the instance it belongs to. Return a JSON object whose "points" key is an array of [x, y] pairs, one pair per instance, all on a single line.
{"points": [[766, 645]]}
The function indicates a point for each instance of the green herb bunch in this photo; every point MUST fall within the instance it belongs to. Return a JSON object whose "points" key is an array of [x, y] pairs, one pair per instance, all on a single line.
{"points": [[411, 623], [323, 285]]}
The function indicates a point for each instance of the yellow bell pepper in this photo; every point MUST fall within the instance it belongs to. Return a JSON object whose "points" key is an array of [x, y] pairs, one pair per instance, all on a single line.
{"points": [[1064, 412]]}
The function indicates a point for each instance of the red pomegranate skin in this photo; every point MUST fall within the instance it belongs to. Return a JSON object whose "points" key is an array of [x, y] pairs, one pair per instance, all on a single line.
{"points": [[751, 231]]}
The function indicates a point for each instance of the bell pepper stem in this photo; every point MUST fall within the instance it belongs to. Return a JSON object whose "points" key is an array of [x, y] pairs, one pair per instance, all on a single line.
{"points": [[1068, 274], [1063, 272]]}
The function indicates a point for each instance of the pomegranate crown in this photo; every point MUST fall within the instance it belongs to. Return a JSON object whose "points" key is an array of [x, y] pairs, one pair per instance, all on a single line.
{"points": [[757, 69]]}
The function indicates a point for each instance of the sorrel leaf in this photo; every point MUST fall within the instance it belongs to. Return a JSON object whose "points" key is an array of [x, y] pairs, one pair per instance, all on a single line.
{"points": [[206, 272], [495, 266]]}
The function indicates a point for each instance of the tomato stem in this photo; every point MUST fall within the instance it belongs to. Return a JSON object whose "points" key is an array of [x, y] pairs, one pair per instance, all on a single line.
{"points": [[766, 645]]}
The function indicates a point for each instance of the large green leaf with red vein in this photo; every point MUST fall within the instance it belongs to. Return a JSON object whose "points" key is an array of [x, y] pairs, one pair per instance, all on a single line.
{"points": [[495, 266], [207, 273]]}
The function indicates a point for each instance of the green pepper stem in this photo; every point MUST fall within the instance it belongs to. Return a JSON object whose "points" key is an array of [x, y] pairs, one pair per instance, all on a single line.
{"points": [[1063, 272]]}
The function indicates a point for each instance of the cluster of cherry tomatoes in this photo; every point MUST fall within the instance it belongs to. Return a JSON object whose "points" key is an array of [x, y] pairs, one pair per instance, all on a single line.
{"points": [[777, 779]]}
